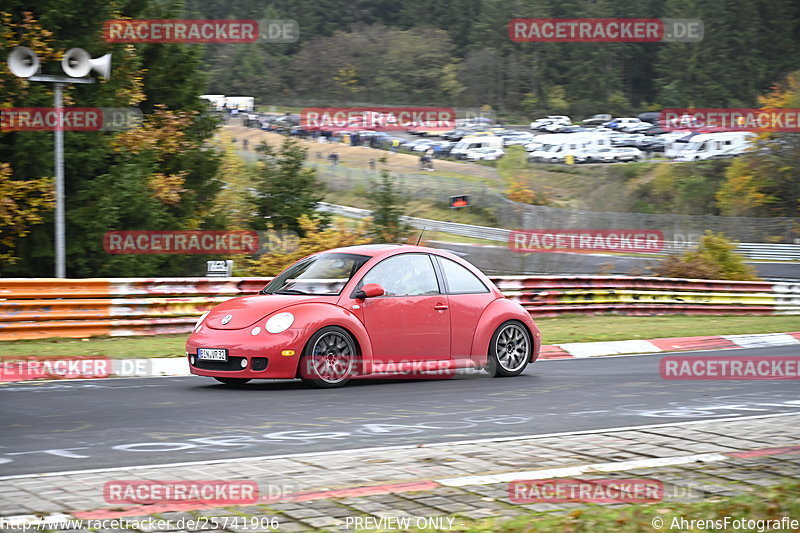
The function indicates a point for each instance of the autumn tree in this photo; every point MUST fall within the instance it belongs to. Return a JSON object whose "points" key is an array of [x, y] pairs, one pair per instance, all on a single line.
{"points": [[289, 249], [159, 175], [766, 180], [714, 258], [286, 189], [22, 204], [386, 201]]}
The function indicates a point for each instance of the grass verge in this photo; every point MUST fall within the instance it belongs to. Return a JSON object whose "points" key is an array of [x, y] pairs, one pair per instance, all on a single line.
{"points": [[756, 512], [554, 330], [574, 328]]}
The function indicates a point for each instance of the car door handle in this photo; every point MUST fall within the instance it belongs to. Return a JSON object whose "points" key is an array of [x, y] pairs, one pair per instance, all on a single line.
{"points": [[440, 307]]}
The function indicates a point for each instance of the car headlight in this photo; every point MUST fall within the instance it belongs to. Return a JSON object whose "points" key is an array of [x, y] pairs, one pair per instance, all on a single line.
{"points": [[279, 323], [200, 320]]}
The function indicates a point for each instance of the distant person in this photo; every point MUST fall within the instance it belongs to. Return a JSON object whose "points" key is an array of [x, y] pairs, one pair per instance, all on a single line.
{"points": [[372, 164], [395, 145], [429, 155], [423, 161]]}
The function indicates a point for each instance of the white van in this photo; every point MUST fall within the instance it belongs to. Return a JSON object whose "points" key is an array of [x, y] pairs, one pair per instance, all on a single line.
{"points": [[555, 147], [474, 143], [676, 142], [242, 103], [716, 145]]}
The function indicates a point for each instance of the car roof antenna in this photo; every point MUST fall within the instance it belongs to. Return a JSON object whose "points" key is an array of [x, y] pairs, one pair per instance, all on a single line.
{"points": [[420, 235]]}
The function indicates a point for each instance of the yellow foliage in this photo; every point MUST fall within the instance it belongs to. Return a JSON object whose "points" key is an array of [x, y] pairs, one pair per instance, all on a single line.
{"points": [[741, 193], [167, 189], [784, 94], [288, 250], [22, 204], [518, 191], [162, 131], [234, 200]]}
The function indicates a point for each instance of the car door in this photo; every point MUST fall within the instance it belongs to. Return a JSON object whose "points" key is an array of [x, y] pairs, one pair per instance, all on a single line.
{"points": [[467, 297], [411, 321]]}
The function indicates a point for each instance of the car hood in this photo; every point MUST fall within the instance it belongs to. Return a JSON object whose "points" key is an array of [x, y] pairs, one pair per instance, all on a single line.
{"points": [[245, 311]]}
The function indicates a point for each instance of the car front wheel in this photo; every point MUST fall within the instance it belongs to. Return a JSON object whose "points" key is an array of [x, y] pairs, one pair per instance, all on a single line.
{"points": [[329, 359], [509, 350]]}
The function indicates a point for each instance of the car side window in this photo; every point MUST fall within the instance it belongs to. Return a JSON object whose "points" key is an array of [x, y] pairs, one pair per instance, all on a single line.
{"points": [[460, 280], [404, 275]]}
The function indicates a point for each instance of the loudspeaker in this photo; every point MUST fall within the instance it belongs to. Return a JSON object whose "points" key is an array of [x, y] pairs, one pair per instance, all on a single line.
{"points": [[77, 63], [23, 62]]}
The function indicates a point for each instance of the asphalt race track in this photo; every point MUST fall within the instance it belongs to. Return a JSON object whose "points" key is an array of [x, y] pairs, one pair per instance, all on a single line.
{"points": [[78, 425]]}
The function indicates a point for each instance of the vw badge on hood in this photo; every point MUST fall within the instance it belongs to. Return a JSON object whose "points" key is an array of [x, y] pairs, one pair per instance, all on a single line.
{"points": [[226, 319]]}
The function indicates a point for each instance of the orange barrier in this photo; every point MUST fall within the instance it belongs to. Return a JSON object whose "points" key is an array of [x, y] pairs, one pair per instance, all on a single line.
{"points": [[77, 308]]}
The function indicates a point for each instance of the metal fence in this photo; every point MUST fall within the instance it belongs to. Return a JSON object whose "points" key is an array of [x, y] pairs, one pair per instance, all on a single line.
{"points": [[678, 229], [780, 252]]}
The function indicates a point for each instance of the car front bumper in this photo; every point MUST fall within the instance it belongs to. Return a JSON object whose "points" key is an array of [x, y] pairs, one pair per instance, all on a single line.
{"points": [[255, 350]]}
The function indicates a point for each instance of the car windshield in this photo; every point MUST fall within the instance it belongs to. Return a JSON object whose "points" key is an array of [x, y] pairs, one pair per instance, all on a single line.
{"points": [[321, 275]]}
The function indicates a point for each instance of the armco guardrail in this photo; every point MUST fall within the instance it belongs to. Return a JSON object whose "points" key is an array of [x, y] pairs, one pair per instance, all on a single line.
{"points": [[41, 308], [775, 252]]}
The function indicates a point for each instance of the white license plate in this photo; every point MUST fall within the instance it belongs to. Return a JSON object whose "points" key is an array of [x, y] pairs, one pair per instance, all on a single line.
{"points": [[212, 354]]}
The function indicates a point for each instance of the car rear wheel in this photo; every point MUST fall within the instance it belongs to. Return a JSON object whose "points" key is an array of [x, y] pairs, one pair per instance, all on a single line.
{"points": [[509, 350], [329, 359], [232, 381]]}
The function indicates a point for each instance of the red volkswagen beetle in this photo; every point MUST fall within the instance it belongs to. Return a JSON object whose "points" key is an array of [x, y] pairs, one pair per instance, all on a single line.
{"points": [[371, 310]]}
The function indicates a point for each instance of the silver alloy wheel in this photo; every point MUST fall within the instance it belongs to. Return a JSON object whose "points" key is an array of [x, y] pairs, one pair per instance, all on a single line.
{"points": [[512, 347], [333, 357]]}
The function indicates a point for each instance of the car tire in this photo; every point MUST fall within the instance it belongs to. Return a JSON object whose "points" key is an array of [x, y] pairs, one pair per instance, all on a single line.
{"points": [[232, 381], [509, 350], [330, 358]]}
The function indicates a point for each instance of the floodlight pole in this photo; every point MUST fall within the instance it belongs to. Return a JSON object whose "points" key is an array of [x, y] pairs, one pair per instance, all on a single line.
{"points": [[61, 262], [58, 103]]}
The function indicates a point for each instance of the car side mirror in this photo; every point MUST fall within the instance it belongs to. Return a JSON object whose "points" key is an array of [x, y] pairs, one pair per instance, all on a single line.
{"points": [[370, 290]]}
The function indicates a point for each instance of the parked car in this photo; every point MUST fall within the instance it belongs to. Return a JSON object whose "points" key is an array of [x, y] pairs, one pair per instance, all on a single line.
{"points": [[467, 144], [621, 123], [573, 128], [362, 311], [649, 116], [592, 155], [518, 140], [651, 144], [622, 154], [434, 144], [485, 154], [541, 123], [642, 127], [625, 139], [597, 120], [412, 145], [608, 155]]}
